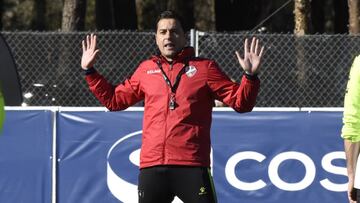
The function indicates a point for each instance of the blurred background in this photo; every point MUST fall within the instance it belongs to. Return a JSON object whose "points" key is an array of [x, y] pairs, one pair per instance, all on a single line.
{"points": [[323, 16], [310, 45], [47, 148]]}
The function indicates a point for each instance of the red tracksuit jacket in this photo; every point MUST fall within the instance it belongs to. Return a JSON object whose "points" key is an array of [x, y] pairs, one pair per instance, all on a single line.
{"points": [[180, 136]]}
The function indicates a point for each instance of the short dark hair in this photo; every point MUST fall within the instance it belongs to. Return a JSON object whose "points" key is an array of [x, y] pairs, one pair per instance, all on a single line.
{"points": [[168, 14]]}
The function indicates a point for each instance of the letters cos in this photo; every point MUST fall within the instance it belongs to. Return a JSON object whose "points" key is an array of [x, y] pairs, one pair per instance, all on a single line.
{"points": [[273, 172]]}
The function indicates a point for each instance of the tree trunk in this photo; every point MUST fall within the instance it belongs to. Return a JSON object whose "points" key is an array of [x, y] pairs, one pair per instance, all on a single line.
{"points": [[354, 27], [302, 17], [302, 27], [73, 19], [39, 11], [73, 15], [204, 14]]}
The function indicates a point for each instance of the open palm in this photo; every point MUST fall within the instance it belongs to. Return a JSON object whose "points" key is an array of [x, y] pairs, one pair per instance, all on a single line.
{"points": [[89, 51], [251, 61]]}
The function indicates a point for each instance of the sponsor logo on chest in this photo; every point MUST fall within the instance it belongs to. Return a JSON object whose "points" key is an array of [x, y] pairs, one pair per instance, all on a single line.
{"points": [[154, 71], [190, 71]]}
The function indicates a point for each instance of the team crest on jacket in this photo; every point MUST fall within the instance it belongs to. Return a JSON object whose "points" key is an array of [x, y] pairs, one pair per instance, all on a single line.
{"points": [[190, 71]]}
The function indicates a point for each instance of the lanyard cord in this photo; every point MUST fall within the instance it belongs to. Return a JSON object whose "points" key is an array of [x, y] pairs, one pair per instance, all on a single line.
{"points": [[178, 77]]}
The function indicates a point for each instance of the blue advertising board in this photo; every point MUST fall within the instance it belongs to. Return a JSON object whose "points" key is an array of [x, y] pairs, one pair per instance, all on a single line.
{"points": [[257, 157], [91, 156], [26, 157], [279, 157]]}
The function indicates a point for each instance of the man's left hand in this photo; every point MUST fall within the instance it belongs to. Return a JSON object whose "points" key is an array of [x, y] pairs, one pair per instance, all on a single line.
{"points": [[252, 56]]}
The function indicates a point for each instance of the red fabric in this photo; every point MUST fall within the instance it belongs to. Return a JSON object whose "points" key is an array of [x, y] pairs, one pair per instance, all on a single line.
{"points": [[180, 136]]}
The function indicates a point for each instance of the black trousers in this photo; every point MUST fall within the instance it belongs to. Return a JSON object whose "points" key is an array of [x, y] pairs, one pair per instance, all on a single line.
{"points": [[160, 184]]}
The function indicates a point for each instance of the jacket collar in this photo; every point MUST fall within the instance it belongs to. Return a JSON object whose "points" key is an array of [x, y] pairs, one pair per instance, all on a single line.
{"points": [[185, 53]]}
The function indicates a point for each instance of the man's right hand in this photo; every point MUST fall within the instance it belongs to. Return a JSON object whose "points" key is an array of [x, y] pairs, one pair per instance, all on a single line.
{"points": [[89, 51]]}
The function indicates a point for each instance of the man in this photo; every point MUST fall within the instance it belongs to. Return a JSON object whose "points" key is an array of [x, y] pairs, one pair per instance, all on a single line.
{"points": [[179, 90], [351, 130]]}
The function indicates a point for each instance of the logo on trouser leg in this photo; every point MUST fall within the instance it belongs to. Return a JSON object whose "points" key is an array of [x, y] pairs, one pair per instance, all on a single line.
{"points": [[202, 191], [141, 194]]}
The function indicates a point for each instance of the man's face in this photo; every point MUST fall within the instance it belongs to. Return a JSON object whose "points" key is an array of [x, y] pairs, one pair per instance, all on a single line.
{"points": [[170, 38]]}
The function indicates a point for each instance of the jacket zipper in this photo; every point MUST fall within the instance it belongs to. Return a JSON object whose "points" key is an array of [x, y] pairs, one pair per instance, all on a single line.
{"points": [[169, 74]]}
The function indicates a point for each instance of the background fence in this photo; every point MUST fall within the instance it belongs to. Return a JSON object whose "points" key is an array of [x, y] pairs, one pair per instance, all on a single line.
{"points": [[310, 71]]}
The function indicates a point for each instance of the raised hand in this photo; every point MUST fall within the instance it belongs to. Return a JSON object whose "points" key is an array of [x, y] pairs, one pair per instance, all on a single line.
{"points": [[251, 61], [89, 51]]}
